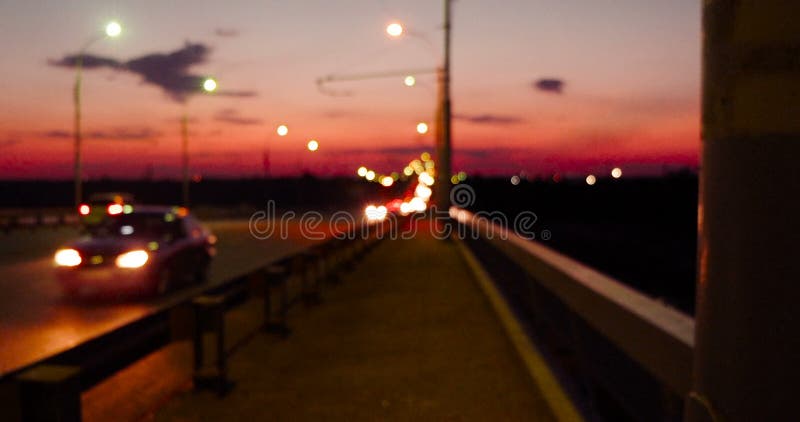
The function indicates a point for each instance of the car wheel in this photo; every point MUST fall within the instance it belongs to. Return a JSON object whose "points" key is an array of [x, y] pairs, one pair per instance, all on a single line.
{"points": [[70, 292], [201, 275]]}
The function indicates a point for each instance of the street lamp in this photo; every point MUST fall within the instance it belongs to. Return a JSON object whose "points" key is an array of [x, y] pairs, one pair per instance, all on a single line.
{"points": [[444, 115], [282, 130], [394, 29], [112, 30], [209, 86]]}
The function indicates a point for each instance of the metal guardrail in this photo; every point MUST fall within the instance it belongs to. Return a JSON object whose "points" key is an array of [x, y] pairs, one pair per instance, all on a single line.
{"points": [[36, 220], [614, 331], [50, 389]]}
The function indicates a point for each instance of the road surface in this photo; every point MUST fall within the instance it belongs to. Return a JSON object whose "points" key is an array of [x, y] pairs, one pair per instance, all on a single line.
{"points": [[36, 321]]}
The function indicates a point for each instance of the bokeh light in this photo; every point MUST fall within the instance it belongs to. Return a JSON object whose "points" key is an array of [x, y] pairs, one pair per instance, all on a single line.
{"points": [[313, 145], [394, 29], [591, 180], [422, 128], [410, 80], [282, 130], [209, 85], [616, 172], [113, 29]]}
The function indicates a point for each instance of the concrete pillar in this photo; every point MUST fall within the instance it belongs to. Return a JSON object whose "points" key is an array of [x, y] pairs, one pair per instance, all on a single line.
{"points": [[748, 313], [50, 393]]}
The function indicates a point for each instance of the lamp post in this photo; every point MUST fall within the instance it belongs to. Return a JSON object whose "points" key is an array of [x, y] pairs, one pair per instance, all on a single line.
{"points": [[209, 85], [443, 113], [112, 30]]}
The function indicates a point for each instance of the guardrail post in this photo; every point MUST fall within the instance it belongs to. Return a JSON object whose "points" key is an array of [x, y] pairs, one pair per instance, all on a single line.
{"points": [[275, 278], [50, 393], [209, 314], [349, 254], [306, 265]]}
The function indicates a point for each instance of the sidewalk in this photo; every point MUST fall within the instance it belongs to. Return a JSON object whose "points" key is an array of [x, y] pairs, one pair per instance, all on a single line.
{"points": [[407, 335]]}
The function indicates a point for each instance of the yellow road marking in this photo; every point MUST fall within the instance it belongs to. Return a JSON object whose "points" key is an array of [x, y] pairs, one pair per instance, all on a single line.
{"points": [[561, 406]]}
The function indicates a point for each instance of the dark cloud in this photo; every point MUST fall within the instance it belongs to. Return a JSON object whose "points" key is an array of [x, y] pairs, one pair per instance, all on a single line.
{"points": [[57, 134], [226, 32], [551, 85], [9, 142], [488, 119], [239, 94], [125, 134], [232, 116], [89, 62], [169, 71], [117, 134]]}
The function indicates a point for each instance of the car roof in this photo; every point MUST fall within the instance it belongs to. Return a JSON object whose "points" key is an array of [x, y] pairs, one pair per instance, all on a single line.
{"points": [[110, 196]]}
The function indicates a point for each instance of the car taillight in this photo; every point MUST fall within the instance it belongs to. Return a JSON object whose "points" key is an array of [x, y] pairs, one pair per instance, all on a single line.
{"points": [[84, 209], [114, 209]]}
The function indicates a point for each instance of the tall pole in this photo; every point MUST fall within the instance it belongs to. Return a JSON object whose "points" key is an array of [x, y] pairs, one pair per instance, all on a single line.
{"points": [[748, 318], [77, 165], [185, 158], [444, 134]]}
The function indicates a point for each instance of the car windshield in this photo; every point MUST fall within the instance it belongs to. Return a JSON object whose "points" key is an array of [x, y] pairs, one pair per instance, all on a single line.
{"points": [[150, 225]]}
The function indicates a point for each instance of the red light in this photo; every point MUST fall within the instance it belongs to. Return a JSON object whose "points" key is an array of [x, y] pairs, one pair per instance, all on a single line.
{"points": [[114, 209], [84, 209]]}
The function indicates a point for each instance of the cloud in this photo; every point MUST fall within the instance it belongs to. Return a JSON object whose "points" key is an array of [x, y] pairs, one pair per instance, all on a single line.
{"points": [[117, 134], [239, 94], [226, 32], [168, 71], [488, 119], [9, 142], [125, 134], [550, 85], [230, 115], [57, 134], [89, 62], [171, 71]]}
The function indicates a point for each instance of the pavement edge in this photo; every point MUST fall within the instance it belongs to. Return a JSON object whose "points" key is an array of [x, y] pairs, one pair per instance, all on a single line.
{"points": [[558, 401]]}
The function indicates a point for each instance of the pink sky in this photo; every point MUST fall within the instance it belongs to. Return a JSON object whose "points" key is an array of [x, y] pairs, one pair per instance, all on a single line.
{"points": [[630, 68]]}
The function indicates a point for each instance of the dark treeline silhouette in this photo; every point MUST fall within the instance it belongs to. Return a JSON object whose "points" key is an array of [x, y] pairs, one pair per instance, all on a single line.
{"points": [[642, 231], [301, 193]]}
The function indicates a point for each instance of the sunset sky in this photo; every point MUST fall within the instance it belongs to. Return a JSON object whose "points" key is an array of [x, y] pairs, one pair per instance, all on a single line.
{"points": [[630, 96]]}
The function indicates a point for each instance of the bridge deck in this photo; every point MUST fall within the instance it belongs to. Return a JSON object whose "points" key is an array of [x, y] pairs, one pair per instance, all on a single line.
{"points": [[408, 334]]}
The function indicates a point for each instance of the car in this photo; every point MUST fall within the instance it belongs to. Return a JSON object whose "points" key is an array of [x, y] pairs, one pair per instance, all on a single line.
{"points": [[144, 249]]}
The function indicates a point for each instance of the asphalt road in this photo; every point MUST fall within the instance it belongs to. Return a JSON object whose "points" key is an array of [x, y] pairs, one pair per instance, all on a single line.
{"points": [[36, 321]]}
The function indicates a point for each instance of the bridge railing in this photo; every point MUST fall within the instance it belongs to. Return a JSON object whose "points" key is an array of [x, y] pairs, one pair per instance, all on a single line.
{"points": [[50, 388], [35, 219], [628, 349]]}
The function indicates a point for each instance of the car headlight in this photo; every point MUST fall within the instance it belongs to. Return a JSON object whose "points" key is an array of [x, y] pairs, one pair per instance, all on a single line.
{"points": [[67, 258], [132, 259]]}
